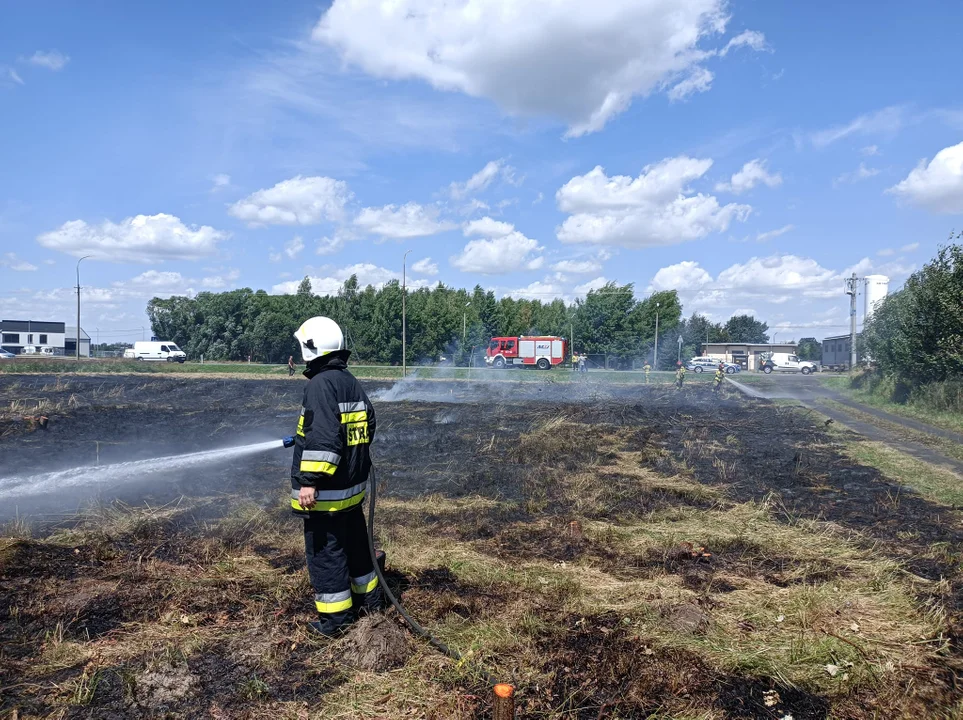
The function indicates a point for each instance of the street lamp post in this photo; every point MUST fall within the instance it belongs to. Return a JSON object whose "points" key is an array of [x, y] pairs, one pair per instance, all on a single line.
{"points": [[464, 323], [655, 359], [680, 348], [77, 347], [404, 332]]}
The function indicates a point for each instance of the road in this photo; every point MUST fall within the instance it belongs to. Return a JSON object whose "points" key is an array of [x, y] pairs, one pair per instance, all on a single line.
{"points": [[811, 393]]}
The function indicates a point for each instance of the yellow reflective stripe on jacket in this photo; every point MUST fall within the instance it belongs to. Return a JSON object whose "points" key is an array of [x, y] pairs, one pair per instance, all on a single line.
{"points": [[365, 583], [330, 505], [353, 417], [318, 466], [333, 602], [301, 423]]}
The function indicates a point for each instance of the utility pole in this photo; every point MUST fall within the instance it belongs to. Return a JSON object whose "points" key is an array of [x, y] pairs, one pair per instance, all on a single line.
{"points": [[680, 348], [655, 360], [464, 323], [78, 305], [404, 334], [852, 287]]}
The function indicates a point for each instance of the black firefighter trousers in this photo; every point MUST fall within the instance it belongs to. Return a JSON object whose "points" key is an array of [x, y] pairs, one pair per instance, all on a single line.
{"points": [[339, 564]]}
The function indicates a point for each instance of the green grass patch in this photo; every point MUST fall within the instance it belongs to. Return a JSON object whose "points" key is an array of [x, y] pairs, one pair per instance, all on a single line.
{"points": [[876, 398]]}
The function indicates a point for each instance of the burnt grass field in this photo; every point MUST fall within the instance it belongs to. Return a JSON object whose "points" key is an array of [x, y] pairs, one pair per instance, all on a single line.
{"points": [[613, 551]]}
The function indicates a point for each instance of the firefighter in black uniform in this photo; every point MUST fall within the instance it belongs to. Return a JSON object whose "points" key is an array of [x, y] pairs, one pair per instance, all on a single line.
{"points": [[720, 376], [329, 477]]}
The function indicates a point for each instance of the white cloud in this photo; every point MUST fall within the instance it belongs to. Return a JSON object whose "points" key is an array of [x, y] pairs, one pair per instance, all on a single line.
{"points": [[538, 198], [296, 201], [777, 284], [752, 173], [580, 62], [221, 181], [870, 150], [938, 185], [538, 290], [699, 80], [425, 267], [142, 238], [502, 250], [222, 281], [577, 267], [770, 234], [294, 246], [10, 260], [475, 205], [489, 227], [788, 273], [886, 252], [546, 290], [651, 210], [407, 221], [883, 122], [155, 280], [596, 284], [52, 59], [482, 179], [333, 278], [860, 173], [748, 38], [329, 245], [8, 75], [683, 276], [909, 248]]}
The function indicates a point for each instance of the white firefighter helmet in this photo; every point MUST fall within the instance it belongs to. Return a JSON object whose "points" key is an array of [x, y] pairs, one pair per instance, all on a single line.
{"points": [[319, 336]]}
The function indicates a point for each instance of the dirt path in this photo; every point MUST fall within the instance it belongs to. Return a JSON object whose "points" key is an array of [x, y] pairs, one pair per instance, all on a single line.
{"points": [[810, 394]]}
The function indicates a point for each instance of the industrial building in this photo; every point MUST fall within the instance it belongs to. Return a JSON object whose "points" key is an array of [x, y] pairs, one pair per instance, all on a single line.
{"points": [[747, 355], [70, 342], [836, 351], [15, 335]]}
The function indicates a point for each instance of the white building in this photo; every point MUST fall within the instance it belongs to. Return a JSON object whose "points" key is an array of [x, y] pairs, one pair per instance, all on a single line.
{"points": [[15, 335], [747, 355], [70, 342]]}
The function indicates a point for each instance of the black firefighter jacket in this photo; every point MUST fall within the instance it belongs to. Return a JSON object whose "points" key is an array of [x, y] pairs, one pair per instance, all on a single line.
{"points": [[335, 430]]}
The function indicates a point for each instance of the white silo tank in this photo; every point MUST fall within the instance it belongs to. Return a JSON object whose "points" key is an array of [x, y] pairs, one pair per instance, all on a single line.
{"points": [[876, 287]]}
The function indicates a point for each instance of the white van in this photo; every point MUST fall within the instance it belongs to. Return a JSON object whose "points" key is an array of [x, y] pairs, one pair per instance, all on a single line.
{"points": [[786, 362], [38, 350], [164, 350]]}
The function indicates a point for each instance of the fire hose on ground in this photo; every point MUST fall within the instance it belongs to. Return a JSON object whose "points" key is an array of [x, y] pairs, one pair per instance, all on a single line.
{"points": [[503, 692]]}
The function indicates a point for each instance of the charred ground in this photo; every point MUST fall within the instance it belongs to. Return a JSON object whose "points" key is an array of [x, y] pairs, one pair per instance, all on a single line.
{"points": [[615, 551]]}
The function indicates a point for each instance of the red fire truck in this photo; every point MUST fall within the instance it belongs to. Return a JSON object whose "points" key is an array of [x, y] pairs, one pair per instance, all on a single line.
{"points": [[543, 352]]}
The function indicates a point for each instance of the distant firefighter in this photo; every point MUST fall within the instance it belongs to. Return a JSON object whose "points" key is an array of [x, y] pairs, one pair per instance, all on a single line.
{"points": [[720, 376], [679, 375]]}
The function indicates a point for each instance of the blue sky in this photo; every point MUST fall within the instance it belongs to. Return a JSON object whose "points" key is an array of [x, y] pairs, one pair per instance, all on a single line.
{"points": [[748, 154]]}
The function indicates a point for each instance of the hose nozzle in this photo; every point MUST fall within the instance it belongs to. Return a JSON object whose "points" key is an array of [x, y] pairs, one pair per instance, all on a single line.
{"points": [[288, 441]]}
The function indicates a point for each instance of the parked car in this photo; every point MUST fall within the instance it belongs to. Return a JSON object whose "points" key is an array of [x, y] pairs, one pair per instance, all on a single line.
{"points": [[785, 362], [4, 355], [708, 364], [38, 350]]}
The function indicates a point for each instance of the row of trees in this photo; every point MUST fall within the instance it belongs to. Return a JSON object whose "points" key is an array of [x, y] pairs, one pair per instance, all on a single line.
{"points": [[915, 336], [441, 321]]}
